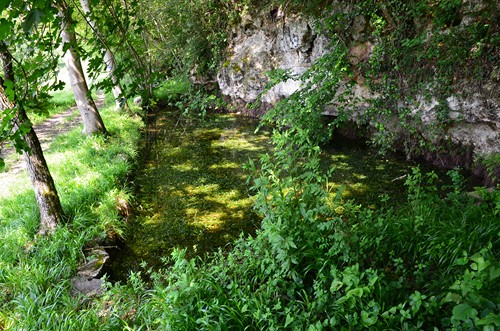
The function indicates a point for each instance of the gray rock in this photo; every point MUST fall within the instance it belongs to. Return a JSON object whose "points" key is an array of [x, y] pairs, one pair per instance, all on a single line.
{"points": [[288, 41], [94, 265], [86, 286], [262, 44], [86, 281]]}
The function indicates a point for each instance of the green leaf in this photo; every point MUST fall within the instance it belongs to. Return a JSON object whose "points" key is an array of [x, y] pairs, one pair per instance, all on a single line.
{"points": [[5, 28], [289, 319], [480, 263], [491, 320], [336, 285], [3, 5], [2, 163], [461, 261], [290, 243], [463, 312], [367, 319], [494, 273], [452, 297], [33, 18], [357, 292], [9, 90]]}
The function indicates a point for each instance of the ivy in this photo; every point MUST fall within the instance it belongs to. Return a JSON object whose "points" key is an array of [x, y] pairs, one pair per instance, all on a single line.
{"points": [[418, 54]]}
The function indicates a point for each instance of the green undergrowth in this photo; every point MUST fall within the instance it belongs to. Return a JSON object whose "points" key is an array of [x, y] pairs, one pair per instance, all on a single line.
{"points": [[171, 89], [35, 272], [318, 261]]}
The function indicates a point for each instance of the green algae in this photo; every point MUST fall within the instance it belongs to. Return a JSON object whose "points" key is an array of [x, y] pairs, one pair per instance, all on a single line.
{"points": [[192, 192], [367, 176]]}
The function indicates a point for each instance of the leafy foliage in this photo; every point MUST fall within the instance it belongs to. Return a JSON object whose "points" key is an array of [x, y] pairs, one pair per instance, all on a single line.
{"points": [[421, 54], [186, 36], [30, 36], [321, 263], [120, 29]]}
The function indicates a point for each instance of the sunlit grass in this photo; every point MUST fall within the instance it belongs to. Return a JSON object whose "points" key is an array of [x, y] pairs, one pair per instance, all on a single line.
{"points": [[89, 173], [59, 102], [13, 185]]}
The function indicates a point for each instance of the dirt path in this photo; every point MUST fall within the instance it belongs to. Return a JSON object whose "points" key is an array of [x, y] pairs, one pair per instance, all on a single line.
{"points": [[47, 132]]}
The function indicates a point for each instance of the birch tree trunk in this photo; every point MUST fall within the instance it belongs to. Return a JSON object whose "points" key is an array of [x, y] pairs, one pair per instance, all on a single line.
{"points": [[92, 121], [109, 59], [51, 212]]}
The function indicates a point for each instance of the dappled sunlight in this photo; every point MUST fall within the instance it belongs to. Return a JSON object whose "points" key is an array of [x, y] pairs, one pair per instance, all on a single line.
{"points": [[233, 140], [14, 184], [339, 157], [153, 219], [365, 174], [193, 192], [192, 188], [359, 176], [87, 178], [355, 189], [201, 190], [187, 166], [225, 166]]}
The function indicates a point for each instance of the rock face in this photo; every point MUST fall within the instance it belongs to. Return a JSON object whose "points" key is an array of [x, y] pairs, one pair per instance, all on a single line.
{"points": [[278, 41], [478, 120], [262, 44]]}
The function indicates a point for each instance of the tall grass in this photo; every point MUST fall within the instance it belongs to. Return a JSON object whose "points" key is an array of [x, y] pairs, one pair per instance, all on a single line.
{"points": [[35, 272]]}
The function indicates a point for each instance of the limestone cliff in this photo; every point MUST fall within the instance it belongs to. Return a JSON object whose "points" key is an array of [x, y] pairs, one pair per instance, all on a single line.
{"points": [[277, 40], [264, 43]]}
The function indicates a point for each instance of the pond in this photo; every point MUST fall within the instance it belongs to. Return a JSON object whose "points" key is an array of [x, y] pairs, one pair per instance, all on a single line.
{"points": [[191, 188], [192, 191]]}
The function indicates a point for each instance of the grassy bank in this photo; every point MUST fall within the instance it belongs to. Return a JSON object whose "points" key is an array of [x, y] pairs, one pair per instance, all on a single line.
{"points": [[35, 272]]}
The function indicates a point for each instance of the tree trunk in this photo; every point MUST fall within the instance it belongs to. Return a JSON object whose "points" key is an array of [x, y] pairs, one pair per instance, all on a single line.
{"points": [[92, 121], [121, 102], [51, 212], [109, 59]]}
